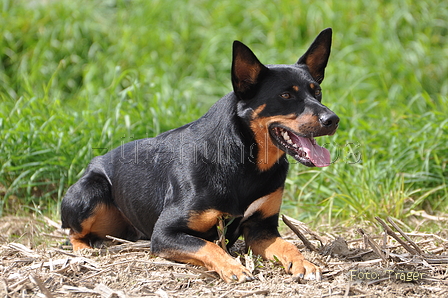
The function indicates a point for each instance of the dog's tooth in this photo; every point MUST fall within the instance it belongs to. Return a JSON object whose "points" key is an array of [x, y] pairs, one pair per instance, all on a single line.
{"points": [[286, 136], [295, 145], [290, 142]]}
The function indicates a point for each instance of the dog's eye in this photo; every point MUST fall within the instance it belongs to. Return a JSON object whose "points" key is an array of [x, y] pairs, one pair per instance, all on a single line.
{"points": [[317, 92], [286, 95]]}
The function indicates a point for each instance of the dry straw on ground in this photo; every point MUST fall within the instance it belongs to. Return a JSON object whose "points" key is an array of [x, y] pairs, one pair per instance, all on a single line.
{"points": [[390, 264]]}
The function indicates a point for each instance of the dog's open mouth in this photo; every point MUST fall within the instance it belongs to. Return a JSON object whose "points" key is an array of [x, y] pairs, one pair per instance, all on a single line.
{"points": [[303, 149]]}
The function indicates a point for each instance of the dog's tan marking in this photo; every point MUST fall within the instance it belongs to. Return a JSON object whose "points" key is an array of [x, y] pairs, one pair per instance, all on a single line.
{"points": [[105, 220], [203, 221], [247, 73], [268, 154], [288, 254], [296, 88], [268, 205], [213, 258], [78, 243], [277, 248], [308, 125]]}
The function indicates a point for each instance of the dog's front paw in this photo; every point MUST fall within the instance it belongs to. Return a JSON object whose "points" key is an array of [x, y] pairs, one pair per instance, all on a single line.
{"points": [[302, 269], [234, 272], [289, 256]]}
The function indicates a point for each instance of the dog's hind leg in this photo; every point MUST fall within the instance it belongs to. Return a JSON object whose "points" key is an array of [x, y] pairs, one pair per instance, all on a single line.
{"points": [[88, 211]]}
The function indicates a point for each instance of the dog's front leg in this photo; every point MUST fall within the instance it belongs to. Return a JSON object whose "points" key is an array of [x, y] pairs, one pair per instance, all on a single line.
{"points": [[275, 248], [175, 240], [262, 236]]}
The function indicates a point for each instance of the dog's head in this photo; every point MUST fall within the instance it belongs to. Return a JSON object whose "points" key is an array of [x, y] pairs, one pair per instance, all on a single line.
{"points": [[284, 102]]}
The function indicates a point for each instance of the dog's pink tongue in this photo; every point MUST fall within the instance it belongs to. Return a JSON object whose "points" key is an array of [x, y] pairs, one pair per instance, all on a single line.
{"points": [[318, 155]]}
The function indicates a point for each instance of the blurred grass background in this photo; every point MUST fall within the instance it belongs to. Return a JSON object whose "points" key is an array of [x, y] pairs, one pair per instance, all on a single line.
{"points": [[80, 77]]}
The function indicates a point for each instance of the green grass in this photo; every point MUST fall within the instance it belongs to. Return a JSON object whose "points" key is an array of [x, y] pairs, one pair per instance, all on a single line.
{"points": [[76, 76]]}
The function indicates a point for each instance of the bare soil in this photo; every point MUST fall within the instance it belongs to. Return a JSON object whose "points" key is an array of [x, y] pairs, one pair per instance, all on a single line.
{"points": [[36, 261]]}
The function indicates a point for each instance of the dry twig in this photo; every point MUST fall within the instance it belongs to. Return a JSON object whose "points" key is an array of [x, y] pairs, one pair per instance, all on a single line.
{"points": [[373, 245], [288, 221]]}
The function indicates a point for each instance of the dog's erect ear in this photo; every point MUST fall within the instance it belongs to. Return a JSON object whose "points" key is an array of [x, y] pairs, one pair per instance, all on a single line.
{"points": [[316, 58], [247, 71]]}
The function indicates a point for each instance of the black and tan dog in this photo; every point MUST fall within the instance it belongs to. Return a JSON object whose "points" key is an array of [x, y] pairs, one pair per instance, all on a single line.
{"points": [[231, 163]]}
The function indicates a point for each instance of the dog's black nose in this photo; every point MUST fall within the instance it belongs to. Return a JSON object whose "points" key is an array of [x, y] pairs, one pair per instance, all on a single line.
{"points": [[329, 120]]}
